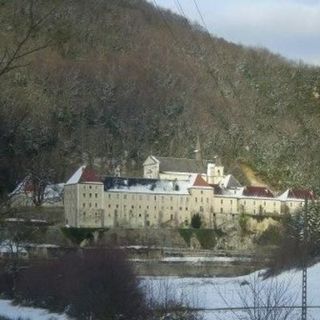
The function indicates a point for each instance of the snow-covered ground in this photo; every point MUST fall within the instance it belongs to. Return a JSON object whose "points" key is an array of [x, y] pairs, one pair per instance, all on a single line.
{"points": [[208, 294], [15, 312], [211, 293]]}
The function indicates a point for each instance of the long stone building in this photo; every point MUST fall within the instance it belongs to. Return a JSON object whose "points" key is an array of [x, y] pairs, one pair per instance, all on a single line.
{"points": [[170, 193]]}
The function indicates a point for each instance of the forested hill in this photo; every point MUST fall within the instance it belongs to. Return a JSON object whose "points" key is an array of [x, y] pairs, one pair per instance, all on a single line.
{"points": [[119, 79]]}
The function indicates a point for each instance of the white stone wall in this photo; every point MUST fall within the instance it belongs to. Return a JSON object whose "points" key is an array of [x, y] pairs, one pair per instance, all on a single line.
{"points": [[88, 205], [256, 205]]}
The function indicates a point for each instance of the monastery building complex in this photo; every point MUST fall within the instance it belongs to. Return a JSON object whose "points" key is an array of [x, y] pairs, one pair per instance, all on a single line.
{"points": [[171, 191]]}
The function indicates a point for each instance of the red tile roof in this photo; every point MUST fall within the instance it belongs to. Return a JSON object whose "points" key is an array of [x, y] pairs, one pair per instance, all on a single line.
{"points": [[199, 182], [89, 175], [301, 194], [252, 191]]}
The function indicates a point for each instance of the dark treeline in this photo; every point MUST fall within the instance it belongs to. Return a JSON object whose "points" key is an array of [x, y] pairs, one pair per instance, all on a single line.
{"points": [[112, 82]]}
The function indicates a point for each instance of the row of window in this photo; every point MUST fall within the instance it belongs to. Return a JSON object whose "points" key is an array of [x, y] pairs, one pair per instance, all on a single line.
{"points": [[89, 205], [140, 197], [147, 207], [90, 195]]}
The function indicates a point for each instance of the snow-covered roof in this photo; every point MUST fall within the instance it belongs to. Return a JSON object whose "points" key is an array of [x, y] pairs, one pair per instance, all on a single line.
{"points": [[151, 186], [75, 178], [52, 192], [229, 181]]}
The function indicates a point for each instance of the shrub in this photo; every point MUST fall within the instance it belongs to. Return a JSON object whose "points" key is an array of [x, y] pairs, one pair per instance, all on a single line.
{"points": [[99, 284], [186, 234], [243, 220], [271, 236], [206, 237], [77, 235]]}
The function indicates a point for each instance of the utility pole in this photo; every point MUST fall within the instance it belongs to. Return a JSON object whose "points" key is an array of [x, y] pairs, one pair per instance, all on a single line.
{"points": [[304, 262]]}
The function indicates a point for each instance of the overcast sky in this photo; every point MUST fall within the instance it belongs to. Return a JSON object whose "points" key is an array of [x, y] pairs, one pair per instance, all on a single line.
{"points": [[288, 27]]}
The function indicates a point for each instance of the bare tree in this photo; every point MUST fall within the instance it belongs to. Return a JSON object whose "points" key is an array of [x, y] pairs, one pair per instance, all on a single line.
{"points": [[13, 56], [263, 300]]}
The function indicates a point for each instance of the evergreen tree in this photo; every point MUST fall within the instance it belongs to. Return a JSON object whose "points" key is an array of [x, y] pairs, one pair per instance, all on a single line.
{"points": [[196, 221]]}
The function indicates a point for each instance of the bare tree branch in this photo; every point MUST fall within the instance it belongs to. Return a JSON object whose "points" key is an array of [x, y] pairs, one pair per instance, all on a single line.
{"points": [[9, 61]]}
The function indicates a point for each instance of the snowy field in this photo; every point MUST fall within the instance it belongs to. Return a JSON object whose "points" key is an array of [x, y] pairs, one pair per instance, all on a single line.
{"points": [[16, 312], [209, 293], [215, 293]]}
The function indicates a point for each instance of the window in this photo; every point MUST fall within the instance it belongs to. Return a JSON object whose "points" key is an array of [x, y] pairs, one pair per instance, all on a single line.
{"points": [[90, 187], [221, 210], [201, 199], [155, 197], [90, 205], [171, 217], [196, 199], [231, 201], [96, 195], [254, 203], [207, 200], [186, 208], [96, 205], [90, 195], [132, 207], [117, 206], [180, 208], [109, 195], [124, 196], [171, 208], [201, 192], [139, 207], [170, 198], [140, 215], [147, 207], [109, 206], [221, 201], [83, 205], [84, 195], [84, 213], [201, 209], [264, 203]]}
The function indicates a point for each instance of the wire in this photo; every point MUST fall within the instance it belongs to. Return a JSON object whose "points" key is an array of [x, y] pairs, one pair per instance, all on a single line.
{"points": [[201, 16]]}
